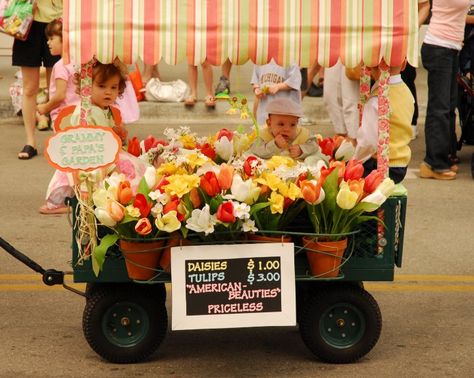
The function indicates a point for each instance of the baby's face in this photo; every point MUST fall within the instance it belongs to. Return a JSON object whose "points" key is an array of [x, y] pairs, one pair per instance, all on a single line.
{"points": [[104, 93], [284, 125]]}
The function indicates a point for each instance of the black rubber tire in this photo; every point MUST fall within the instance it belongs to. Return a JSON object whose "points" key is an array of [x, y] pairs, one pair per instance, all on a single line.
{"points": [[124, 324], [340, 324]]}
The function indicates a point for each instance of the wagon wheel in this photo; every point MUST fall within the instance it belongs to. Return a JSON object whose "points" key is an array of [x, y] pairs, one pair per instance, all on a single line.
{"points": [[124, 324], [341, 324]]}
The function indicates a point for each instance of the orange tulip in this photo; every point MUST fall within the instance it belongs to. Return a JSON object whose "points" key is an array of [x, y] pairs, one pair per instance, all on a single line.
{"points": [[225, 177], [195, 198], [312, 192], [124, 192], [357, 186], [210, 184]]}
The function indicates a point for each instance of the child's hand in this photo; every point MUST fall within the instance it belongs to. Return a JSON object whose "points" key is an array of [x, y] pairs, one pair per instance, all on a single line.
{"points": [[295, 151], [273, 89], [259, 93], [41, 108], [281, 142], [121, 132]]}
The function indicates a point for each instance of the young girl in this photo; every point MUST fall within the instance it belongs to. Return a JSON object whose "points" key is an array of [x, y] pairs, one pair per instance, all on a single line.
{"points": [[62, 90], [108, 82]]}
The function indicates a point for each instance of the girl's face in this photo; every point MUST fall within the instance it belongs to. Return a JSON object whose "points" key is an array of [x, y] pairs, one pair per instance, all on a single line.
{"points": [[284, 125], [55, 45], [104, 93]]}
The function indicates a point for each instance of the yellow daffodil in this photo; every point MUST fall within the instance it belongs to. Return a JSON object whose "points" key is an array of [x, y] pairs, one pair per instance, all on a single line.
{"points": [[277, 161], [232, 111], [179, 185], [167, 169], [195, 160], [293, 192], [270, 180], [188, 141], [168, 222], [276, 203]]}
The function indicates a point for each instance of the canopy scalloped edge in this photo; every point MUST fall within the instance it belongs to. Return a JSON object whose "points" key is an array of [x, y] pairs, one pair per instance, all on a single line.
{"points": [[289, 31]]}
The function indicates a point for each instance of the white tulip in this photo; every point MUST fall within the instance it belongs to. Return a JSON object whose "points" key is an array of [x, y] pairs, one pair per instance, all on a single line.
{"points": [[150, 177], [224, 148], [201, 220]]}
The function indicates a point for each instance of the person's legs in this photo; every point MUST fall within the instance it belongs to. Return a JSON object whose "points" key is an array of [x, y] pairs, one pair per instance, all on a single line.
{"points": [[224, 80], [409, 76], [207, 76], [438, 62], [30, 90], [192, 78], [150, 71], [452, 111]]}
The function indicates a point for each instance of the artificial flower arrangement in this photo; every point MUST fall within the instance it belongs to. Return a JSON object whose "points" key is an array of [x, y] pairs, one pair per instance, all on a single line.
{"points": [[200, 187]]}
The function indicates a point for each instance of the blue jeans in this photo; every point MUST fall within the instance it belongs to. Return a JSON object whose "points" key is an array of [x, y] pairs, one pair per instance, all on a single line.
{"points": [[442, 65]]}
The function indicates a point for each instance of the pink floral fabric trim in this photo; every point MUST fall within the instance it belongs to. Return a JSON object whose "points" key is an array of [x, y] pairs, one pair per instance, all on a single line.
{"points": [[86, 89]]}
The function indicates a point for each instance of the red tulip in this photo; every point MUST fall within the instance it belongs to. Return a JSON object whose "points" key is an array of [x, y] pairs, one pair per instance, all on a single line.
{"points": [[250, 165], [225, 133], [208, 150], [142, 204], [163, 182], [372, 181], [323, 173], [226, 175], [134, 147], [174, 205], [354, 170], [124, 192], [287, 202], [152, 142], [143, 227], [327, 146], [210, 184], [225, 212]]}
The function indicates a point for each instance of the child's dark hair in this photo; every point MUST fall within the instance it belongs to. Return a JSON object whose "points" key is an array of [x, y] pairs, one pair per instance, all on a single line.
{"points": [[55, 27], [102, 72]]}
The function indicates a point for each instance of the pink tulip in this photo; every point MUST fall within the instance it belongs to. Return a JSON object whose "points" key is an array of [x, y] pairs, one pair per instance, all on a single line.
{"points": [[143, 227], [115, 210]]}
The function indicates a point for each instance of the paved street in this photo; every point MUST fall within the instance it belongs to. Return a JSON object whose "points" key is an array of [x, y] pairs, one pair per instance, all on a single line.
{"points": [[427, 311]]}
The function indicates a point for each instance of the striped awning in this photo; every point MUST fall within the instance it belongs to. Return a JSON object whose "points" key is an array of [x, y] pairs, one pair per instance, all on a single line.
{"points": [[289, 31]]}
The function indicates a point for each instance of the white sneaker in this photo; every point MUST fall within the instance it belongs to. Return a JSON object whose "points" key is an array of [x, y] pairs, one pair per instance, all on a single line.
{"points": [[414, 132]]}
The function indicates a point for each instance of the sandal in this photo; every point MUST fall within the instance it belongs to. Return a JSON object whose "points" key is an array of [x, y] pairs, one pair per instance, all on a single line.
{"points": [[43, 125], [190, 101], [210, 101], [28, 152], [45, 210]]}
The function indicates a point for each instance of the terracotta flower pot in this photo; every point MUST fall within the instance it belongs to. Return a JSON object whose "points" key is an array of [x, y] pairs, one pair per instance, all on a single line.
{"points": [[258, 238], [141, 258], [173, 241], [324, 257]]}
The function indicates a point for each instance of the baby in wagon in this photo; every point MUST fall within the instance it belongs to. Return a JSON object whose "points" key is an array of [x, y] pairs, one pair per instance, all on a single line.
{"points": [[283, 135]]}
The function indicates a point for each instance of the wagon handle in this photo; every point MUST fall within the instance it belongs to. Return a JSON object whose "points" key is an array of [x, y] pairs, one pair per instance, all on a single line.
{"points": [[50, 276]]}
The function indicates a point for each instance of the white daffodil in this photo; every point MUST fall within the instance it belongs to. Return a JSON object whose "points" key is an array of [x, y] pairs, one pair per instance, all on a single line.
{"points": [[241, 210], [159, 196], [386, 187], [157, 210], [201, 220], [249, 226], [133, 211], [224, 148]]}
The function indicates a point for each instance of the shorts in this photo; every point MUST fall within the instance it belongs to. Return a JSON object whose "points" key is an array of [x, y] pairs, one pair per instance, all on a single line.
{"points": [[34, 52]]}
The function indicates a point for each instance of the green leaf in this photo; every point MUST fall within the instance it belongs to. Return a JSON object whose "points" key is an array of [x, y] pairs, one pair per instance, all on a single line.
{"points": [[143, 188], [215, 202], [259, 206], [98, 253]]}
